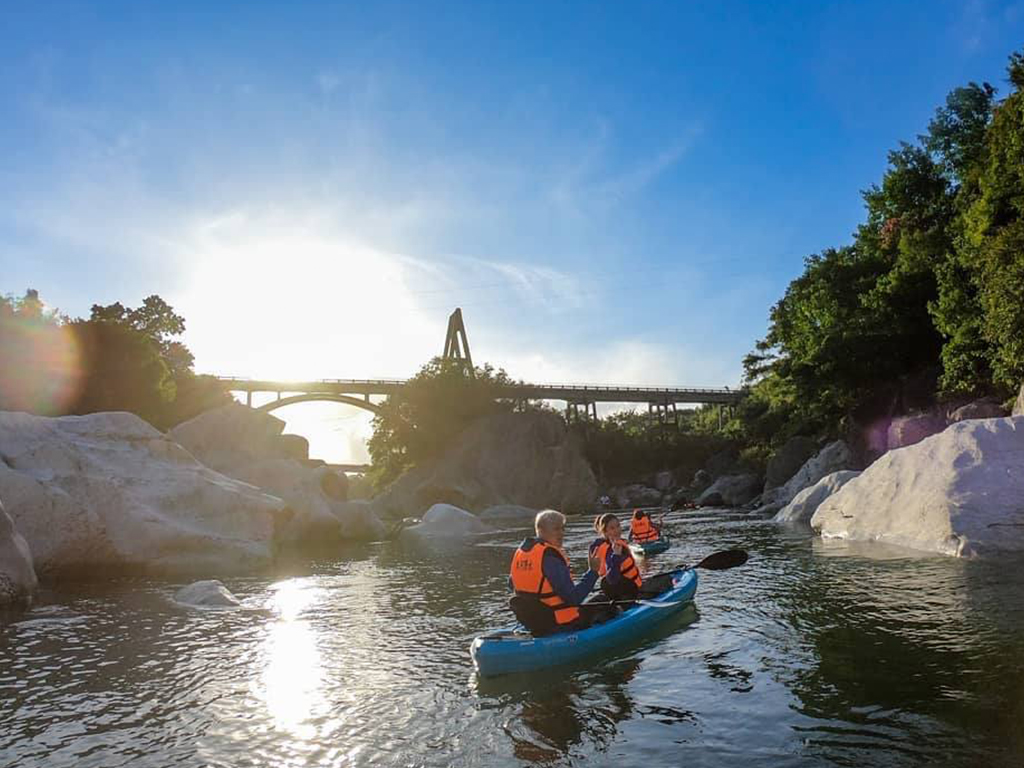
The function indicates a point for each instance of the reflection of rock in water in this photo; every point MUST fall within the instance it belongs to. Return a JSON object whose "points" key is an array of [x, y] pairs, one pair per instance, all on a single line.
{"points": [[897, 644]]}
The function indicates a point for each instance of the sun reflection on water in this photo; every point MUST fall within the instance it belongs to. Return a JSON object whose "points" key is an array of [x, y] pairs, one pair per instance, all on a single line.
{"points": [[292, 680]]}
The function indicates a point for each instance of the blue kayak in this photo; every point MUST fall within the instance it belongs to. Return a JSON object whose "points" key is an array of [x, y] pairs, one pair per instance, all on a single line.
{"points": [[515, 650], [653, 548]]}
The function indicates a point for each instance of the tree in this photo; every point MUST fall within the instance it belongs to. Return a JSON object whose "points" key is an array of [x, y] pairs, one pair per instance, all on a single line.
{"points": [[416, 424]]}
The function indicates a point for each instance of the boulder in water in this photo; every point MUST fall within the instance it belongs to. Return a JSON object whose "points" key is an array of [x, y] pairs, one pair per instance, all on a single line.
{"points": [[511, 458], [446, 520], [637, 495], [248, 445], [806, 503], [17, 574], [206, 594], [960, 492], [107, 490], [730, 491], [833, 457]]}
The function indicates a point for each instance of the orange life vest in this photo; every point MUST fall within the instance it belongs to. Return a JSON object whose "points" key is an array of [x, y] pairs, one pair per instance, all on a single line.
{"points": [[627, 567], [527, 575], [643, 531]]}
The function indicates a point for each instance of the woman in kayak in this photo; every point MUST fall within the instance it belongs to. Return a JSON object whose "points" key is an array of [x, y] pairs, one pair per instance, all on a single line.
{"points": [[642, 529], [546, 600], [621, 576]]}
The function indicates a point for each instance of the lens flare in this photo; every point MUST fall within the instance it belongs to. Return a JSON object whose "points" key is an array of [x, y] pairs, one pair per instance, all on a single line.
{"points": [[40, 367]]}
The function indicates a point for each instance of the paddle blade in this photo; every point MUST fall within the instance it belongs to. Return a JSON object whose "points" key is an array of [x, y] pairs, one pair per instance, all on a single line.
{"points": [[720, 561]]}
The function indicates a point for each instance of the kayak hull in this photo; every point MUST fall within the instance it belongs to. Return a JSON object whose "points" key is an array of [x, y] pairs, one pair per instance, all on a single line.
{"points": [[507, 652], [654, 548]]}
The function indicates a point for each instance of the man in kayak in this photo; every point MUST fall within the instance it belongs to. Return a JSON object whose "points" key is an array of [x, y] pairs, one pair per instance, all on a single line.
{"points": [[546, 600], [642, 529], [621, 577]]}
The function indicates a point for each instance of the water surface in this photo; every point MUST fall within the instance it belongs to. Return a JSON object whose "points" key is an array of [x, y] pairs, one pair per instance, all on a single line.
{"points": [[813, 654]]}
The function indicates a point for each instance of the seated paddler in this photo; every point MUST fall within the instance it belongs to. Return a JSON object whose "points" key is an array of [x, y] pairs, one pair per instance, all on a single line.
{"points": [[620, 576], [546, 599], [642, 529]]}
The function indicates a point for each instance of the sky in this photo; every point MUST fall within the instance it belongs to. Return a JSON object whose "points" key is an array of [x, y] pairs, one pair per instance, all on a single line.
{"points": [[614, 193]]}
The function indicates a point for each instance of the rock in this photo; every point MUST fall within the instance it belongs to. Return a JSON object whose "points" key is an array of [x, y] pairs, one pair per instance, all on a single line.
{"points": [[663, 481], [960, 492], [206, 594], [701, 480], [334, 485], [637, 495], [248, 445], [359, 521], [107, 490], [723, 462], [231, 436], [319, 517], [446, 520], [833, 457], [909, 430], [804, 505], [730, 491], [979, 409], [788, 459], [510, 458], [509, 514], [293, 447], [1018, 407], [17, 574]]}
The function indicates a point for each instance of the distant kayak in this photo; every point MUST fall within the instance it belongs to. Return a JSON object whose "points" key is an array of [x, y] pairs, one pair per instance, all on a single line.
{"points": [[509, 651], [651, 548]]}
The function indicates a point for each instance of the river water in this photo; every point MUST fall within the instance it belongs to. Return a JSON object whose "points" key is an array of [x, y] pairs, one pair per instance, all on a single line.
{"points": [[812, 654]]}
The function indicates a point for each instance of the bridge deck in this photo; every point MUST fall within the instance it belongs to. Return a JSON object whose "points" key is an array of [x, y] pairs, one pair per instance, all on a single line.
{"points": [[569, 392]]}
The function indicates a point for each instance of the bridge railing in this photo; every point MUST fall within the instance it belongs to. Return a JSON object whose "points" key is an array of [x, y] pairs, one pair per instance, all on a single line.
{"points": [[513, 386]]}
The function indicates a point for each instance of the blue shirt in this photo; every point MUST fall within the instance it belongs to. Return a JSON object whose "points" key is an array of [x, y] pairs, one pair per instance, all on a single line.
{"points": [[557, 573]]}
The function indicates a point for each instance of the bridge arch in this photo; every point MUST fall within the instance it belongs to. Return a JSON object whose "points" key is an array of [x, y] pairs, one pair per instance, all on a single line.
{"points": [[329, 397]]}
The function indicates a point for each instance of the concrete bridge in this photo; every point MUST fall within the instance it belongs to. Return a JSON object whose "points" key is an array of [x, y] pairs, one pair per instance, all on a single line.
{"points": [[580, 399]]}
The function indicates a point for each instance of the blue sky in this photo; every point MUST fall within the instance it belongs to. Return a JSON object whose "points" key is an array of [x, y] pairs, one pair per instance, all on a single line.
{"points": [[613, 192]]}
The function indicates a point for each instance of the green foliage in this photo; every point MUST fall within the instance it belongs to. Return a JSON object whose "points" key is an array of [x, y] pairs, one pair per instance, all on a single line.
{"points": [[933, 281], [626, 446], [119, 359], [418, 423]]}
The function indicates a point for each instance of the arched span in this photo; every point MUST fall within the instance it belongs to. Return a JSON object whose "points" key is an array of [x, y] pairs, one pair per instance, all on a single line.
{"points": [[320, 397]]}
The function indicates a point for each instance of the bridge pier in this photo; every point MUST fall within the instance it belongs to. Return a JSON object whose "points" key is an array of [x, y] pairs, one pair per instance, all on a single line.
{"points": [[572, 411], [663, 413], [248, 398]]}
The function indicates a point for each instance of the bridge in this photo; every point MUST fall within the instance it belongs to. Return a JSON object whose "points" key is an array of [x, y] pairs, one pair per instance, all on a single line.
{"points": [[581, 399]]}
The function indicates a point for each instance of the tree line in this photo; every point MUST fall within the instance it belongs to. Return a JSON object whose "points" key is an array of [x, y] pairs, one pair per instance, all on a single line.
{"points": [[118, 359]]}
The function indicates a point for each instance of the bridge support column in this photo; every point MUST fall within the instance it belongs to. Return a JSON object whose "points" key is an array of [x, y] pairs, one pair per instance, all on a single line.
{"points": [[248, 398]]}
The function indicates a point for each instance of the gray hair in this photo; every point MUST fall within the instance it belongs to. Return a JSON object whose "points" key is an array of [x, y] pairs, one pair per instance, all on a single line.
{"points": [[546, 517]]}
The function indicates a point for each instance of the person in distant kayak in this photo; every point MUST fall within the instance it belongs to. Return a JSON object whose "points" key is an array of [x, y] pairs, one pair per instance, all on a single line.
{"points": [[546, 599], [642, 529], [621, 577]]}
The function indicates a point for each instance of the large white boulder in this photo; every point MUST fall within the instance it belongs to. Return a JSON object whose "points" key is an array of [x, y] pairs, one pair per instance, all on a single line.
{"points": [[248, 445], [960, 492], [17, 574], [446, 520], [510, 458], [206, 594], [833, 457], [730, 491], [804, 505], [108, 490]]}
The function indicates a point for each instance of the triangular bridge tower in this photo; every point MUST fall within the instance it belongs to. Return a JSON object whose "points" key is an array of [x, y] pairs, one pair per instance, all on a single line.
{"points": [[456, 344]]}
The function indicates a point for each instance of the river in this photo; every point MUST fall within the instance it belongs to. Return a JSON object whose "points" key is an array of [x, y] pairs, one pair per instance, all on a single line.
{"points": [[812, 654]]}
